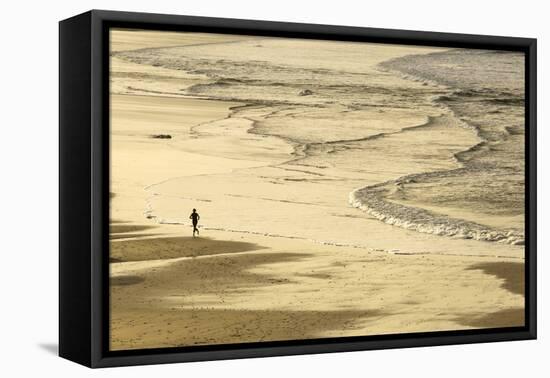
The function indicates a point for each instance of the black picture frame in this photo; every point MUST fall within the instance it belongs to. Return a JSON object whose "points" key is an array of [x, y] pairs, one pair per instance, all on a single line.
{"points": [[84, 192]]}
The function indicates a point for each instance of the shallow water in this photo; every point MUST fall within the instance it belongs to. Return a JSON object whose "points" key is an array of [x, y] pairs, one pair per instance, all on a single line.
{"points": [[487, 94]]}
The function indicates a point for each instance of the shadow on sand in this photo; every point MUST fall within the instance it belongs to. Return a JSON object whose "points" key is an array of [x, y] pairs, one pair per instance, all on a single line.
{"points": [[513, 317], [513, 275], [124, 228], [126, 280], [177, 303], [174, 247], [160, 298], [129, 235], [184, 327]]}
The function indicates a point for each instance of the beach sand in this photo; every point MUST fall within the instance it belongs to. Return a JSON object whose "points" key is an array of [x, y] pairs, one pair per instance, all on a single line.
{"points": [[282, 255], [179, 290]]}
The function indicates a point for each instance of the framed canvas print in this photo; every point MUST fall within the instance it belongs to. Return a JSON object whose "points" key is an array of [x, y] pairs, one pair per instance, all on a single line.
{"points": [[234, 188]]}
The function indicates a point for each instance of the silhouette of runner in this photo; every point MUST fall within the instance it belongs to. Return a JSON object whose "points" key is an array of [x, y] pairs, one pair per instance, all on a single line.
{"points": [[195, 218]]}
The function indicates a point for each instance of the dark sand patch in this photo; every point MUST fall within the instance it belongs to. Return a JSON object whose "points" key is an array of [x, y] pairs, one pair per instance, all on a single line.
{"points": [[184, 327], [126, 280], [122, 228], [174, 247], [513, 317], [129, 235], [339, 264], [512, 273], [321, 276]]}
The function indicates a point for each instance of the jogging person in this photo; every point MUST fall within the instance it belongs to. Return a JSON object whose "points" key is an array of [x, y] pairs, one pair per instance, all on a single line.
{"points": [[195, 218]]}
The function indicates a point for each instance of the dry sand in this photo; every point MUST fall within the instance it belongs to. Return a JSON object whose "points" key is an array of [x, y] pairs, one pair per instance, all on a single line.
{"points": [[328, 271]]}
